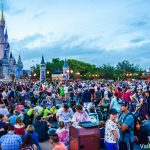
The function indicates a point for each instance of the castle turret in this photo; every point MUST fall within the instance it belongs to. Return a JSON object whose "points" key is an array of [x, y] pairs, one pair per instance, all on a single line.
{"points": [[6, 36], [2, 26], [19, 67], [66, 70], [42, 70], [5, 65]]}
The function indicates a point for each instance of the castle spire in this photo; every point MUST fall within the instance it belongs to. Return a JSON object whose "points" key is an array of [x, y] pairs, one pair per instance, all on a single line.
{"points": [[2, 16], [42, 61], [66, 64]]}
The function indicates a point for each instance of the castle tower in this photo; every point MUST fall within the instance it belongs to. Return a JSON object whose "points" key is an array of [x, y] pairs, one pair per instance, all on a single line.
{"points": [[5, 65], [66, 70], [19, 68], [8, 66], [2, 38], [42, 70]]}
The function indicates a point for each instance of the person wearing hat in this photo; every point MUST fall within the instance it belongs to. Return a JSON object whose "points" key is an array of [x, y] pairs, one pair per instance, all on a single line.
{"points": [[111, 131], [126, 128]]}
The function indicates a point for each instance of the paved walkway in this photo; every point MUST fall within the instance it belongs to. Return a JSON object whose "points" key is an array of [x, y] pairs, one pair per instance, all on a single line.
{"points": [[46, 145]]}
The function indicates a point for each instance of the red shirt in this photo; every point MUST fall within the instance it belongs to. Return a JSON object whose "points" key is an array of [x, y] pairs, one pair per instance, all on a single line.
{"points": [[126, 96], [19, 131]]}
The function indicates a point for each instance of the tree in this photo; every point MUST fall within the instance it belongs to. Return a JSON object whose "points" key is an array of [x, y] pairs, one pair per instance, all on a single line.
{"points": [[126, 69], [107, 71]]}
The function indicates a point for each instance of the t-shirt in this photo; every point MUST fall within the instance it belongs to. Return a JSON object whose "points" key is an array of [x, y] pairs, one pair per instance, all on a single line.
{"points": [[110, 126], [80, 117], [66, 89], [128, 135], [29, 113], [115, 104], [64, 116], [59, 146]]}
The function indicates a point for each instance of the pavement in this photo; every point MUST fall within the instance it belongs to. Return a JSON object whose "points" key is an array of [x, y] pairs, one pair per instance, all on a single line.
{"points": [[46, 145]]}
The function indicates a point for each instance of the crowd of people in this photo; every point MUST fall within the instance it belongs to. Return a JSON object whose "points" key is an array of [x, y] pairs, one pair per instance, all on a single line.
{"points": [[32, 112]]}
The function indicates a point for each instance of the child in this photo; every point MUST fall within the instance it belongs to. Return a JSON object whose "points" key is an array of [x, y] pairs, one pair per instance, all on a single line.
{"points": [[102, 133]]}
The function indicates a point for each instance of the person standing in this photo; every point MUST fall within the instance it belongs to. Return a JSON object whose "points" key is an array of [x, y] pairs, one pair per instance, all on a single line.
{"points": [[86, 97], [126, 128], [111, 131]]}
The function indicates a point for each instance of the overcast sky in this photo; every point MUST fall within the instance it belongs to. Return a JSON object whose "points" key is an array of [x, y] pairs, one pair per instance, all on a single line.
{"points": [[95, 31]]}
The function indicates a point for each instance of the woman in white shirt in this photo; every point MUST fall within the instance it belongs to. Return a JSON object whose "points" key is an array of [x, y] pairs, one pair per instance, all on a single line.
{"points": [[111, 131]]}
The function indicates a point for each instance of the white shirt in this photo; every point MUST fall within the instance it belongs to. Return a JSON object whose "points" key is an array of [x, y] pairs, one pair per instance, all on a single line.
{"points": [[64, 116], [4, 111], [106, 94], [110, 126], [4, 94], [66, 89]]}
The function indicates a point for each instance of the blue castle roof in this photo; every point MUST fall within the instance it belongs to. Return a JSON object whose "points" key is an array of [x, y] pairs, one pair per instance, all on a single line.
{"points": [[42, 61], [66, 64]]}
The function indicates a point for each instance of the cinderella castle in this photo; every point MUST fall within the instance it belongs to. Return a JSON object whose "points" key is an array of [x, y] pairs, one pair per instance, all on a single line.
{"points": [[9, 68]]}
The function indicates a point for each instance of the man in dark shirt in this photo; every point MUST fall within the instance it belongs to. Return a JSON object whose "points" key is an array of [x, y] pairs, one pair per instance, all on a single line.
{"points": [[41, 128]]}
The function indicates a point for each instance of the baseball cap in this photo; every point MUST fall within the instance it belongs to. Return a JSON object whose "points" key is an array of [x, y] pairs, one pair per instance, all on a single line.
{"points": [[123, 103], [113, 112]]}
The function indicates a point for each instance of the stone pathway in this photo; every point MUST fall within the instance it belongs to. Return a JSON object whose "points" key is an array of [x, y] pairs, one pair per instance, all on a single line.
{"points": [[46, 145]]}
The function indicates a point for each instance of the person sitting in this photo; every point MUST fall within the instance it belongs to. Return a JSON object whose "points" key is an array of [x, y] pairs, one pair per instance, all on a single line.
{"points": [[63, 133], [80, 115], [41, 128], [57, 145], [104, 105], [31, 131], [2, 125], [19, 127], [10, 141], [28, 144], [12, 119]]}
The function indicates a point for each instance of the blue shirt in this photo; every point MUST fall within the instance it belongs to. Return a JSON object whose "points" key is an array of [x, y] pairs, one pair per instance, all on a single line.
{"points": [[129, 134], [35, 137], [12, 119], [115, 104], [10, 141]]}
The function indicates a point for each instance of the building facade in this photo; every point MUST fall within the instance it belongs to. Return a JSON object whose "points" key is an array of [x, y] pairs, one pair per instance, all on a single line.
{"points": [[66, 70], [42, 70], [9, 68]]}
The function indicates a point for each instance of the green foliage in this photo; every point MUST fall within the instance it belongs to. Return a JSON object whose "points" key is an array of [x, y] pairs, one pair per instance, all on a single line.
{"points": [[89, 71]]}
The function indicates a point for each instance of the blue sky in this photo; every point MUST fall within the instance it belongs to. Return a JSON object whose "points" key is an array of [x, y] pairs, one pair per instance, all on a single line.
{"points": [[95, 31]]}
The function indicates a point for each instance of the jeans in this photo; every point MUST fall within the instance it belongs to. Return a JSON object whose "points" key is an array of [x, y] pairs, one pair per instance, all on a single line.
{"points": [[126, 146], [111, 146]]}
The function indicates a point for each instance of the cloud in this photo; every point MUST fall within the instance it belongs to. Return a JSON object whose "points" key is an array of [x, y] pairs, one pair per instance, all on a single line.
{"points": [[8, 7], [61, 48], [38, 15], [136, 40]]}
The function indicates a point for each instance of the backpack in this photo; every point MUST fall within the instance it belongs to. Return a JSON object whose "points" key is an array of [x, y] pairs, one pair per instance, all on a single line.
{"points": [[109, 94], [135, 129], [27, 148]]}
